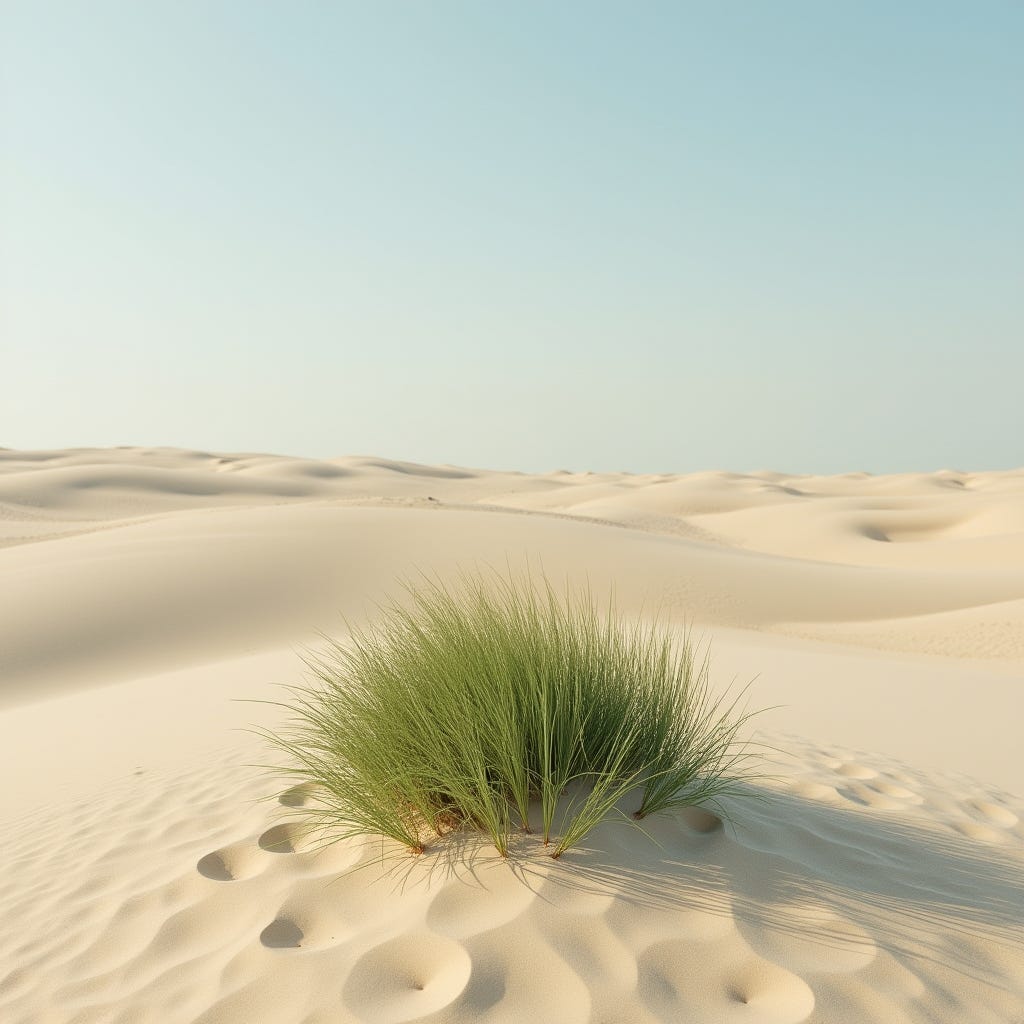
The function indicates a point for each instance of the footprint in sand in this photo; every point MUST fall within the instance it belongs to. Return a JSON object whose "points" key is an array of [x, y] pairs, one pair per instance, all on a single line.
{"points": [[700, 819], [289, 837], [230, 863], [282, 933], [721, 981], [407, 977], [302, 928], [313, 852], [298, 796]]}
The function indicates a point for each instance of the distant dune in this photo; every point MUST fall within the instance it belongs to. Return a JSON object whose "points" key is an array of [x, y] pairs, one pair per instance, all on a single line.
{"points": [[145, 593]]}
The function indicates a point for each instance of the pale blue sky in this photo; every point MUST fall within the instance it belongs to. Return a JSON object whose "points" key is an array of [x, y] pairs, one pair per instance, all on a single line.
{"points": [[611, 236]]}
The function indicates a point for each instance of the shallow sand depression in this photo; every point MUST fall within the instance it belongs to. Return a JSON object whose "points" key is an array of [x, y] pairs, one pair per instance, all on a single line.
{"points": [[151, 874]]}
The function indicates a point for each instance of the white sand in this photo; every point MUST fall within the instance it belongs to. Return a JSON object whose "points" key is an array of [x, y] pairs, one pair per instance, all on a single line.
{"points": [[879, 878]]}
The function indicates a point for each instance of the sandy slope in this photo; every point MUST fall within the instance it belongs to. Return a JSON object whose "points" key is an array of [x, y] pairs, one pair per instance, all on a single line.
{"points": [[143, 591]]}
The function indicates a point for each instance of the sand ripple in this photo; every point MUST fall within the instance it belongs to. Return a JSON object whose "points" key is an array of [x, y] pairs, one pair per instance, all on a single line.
{"points": [[182, 898]]}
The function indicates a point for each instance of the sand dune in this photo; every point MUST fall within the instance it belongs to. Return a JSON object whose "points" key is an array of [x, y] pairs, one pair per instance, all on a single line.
{"points": [[146, 591]]}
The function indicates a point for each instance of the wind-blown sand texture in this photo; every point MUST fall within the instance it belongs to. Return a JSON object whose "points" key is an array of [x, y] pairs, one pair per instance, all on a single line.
{"points": [[145, 878]]}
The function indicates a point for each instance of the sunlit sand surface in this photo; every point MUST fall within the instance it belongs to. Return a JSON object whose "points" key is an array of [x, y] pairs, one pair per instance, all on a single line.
{"points": [[150, 874]]}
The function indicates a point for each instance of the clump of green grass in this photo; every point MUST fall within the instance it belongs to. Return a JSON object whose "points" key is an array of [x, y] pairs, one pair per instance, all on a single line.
{"points": [[466, 706]]}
